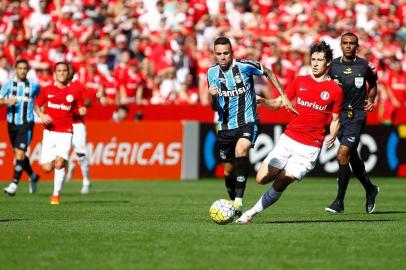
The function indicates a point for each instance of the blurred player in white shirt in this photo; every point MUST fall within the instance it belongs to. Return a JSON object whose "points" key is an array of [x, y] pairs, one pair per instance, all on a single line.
{"points": [[79, 139]]}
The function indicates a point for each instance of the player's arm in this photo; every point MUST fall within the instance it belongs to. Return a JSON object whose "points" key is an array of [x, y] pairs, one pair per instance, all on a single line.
{"points": [[4, 100], [272, 78], [81, 104], [373, 88], [274, 103], [45, 118], [213, 91], [334, 128]]}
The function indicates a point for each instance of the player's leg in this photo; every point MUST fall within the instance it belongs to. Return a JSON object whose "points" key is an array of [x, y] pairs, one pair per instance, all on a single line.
{"points": [[62, 150], [17, 135], [80, 149], [34, 178], [300, 161], [359, 171], [229, 178], [343, 178], [241, 169], [226, 147]]}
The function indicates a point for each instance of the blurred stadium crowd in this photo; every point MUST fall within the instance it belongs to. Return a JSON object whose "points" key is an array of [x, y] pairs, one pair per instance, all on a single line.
{"points": [[158, 52]]}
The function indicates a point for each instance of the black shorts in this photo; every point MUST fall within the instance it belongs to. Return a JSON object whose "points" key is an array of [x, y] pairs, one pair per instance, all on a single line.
{"points": [[351, 128], [227, 139], [20, 135]]}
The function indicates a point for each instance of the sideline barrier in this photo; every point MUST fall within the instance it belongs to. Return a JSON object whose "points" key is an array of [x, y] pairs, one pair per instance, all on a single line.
{"points": [[187, 150], [382, 147], [129, 150]]}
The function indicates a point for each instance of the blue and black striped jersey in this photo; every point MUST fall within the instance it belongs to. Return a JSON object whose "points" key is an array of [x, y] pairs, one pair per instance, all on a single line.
{"points": [[22, 111], [236, 93]]}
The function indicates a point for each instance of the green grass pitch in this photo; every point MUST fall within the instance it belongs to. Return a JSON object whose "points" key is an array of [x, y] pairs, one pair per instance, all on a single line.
{"points": [[165, 225]]}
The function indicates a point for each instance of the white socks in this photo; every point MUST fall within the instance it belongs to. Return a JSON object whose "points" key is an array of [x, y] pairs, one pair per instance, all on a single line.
{"points": [[266, 200], [84, 167], [59, 175]]}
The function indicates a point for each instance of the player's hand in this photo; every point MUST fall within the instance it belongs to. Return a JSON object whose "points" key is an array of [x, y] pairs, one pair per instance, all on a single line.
{"points": [[82, 111], [329, 141], [213, 90], [46, 119], [369, 105], [287, 104], [11, 100]]}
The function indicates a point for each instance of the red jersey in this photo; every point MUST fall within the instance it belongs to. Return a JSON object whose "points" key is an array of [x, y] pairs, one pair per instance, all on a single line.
{"points": [[80, 89], [60, 104], [315, 102]]}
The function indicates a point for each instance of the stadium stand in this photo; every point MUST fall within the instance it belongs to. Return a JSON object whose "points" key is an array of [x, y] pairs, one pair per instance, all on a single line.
{"points": [[162, 48]]}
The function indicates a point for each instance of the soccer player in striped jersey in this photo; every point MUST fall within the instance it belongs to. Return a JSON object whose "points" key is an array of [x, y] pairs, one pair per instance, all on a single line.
{"points": [[233, 96], [19, 94]]}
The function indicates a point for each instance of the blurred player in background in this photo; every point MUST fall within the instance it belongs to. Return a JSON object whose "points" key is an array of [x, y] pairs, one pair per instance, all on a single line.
{"points": [[317, 98], [19, 95], [233, 96], [79, 137], [358, 79], [56, 106]]}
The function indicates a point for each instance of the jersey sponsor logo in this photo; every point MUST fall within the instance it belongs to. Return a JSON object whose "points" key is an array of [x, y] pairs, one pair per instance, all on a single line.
{"points": [[324, 95], [351, 139], [23, 99], [232, 93], [59, 106], [359, 82], [312, 105], [302, 89], [347, 71], [241, 179], [246, 134], [69, 98], [51, 96]]}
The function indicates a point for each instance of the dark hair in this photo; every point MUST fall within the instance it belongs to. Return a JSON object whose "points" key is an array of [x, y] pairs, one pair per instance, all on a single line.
{"points": [[23, 61], [350, 34], [61, 63], [322, 47], [222, 41]]}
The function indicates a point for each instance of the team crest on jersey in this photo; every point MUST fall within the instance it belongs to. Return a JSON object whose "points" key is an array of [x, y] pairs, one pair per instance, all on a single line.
{"points": [[69, 98], [324, 95], [237, 79], [222, 155], [359, 82], [27, 90]]}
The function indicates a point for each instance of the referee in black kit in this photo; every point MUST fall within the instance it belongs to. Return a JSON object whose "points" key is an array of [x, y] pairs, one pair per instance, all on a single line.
{"points": [[358, 79]]}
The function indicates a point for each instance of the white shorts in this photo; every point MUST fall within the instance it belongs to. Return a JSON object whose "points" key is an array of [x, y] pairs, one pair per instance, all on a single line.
{"points": [[79, 138], [55, 144], [296, 158]]}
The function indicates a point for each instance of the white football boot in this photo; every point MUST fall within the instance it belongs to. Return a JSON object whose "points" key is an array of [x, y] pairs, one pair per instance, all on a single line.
{"points": [[11, 189]]}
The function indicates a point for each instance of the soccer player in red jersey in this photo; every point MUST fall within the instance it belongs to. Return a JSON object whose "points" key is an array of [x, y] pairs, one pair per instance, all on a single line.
{"points": [[55, 106], [318, 99], [79, 137]]}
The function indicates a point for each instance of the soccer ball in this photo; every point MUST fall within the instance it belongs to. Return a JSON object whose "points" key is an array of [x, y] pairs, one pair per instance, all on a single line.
{"points": [[222, 211]]}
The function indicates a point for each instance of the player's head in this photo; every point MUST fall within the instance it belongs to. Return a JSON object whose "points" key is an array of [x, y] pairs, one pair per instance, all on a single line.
{"points": [[61, 72], [22, 67], [223, 52], [349, 45], [321, 56]]}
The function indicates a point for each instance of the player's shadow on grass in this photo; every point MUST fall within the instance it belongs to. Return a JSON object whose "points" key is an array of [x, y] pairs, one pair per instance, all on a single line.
{"points": [[327, 221], [95, 202], [12, 219], [388, 212]]}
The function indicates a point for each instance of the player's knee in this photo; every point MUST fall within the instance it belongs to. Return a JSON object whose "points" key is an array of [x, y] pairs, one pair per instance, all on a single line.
{"points": [[261, 179], [59, 164], [47, 168], [342, 158]]}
